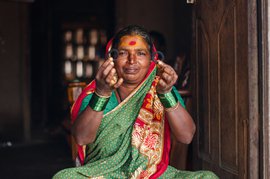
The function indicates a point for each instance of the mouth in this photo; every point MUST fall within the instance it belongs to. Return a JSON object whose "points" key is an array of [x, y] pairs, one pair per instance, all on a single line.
{"points": [[131, 70]]}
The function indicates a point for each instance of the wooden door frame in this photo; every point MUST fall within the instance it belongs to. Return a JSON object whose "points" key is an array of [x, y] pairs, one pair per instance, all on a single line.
{"points": [[259, 50], [264, 67], [253, 91]]}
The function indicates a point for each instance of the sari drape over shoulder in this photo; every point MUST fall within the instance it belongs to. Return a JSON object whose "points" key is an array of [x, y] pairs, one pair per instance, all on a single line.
{"points": [[133, 139]]}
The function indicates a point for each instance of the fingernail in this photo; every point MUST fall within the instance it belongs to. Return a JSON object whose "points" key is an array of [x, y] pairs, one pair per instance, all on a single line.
{"points": [[115, 77], [112, 82], [160, 62]]}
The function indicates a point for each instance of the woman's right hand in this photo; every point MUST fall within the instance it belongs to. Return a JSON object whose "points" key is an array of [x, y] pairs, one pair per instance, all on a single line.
{"points": [[106, 78]]}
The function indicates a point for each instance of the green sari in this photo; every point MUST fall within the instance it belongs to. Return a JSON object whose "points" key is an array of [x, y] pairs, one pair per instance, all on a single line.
{"points": [[133, 139]]}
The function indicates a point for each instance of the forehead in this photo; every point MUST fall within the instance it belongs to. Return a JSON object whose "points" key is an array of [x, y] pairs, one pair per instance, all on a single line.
{"points": [[136, 41]]}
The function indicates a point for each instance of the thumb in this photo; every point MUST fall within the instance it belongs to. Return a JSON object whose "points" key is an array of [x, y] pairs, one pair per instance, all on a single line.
{"points": [[160, 66]]}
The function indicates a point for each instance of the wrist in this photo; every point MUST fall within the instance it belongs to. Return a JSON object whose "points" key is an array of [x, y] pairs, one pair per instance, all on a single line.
{"points": [[103, 95], [103, 92], [164, 92]]}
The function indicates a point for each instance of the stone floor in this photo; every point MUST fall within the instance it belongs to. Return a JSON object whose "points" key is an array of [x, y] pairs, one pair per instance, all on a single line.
{"points": [[47, 153]]}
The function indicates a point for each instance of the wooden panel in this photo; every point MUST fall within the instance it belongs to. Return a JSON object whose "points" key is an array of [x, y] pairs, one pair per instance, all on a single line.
{"points": [[203, 63], [228, 91]]}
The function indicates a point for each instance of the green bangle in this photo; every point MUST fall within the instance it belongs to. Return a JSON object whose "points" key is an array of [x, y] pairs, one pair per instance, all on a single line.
{"points": [[98, 103], [168, 100]]}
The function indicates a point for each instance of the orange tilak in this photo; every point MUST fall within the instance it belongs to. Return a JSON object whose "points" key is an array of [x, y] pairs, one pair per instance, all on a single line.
{"points": [[134, 41]]}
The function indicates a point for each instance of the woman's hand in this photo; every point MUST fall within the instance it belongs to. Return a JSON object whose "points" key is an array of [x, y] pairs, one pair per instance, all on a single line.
{"points": [[106, 78], [168, 78]]}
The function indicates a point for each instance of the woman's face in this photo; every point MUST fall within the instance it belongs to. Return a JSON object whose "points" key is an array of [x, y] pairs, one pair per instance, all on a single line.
{"points": [[133, 59]]}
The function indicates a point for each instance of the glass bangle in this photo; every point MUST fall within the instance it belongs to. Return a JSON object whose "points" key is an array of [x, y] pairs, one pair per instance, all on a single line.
{"points": [[168, 100], [98, 103]]}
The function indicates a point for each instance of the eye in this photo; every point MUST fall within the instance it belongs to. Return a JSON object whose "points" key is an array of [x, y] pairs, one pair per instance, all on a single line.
{"points": [[141, 53], [122, 53]]}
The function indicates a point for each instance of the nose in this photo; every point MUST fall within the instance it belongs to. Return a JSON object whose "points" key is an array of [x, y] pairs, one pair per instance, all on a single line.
{"points": [[132, 58]]}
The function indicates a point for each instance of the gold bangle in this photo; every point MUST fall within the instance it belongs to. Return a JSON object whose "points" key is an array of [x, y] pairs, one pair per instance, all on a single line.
{"points": [[172, 108]]}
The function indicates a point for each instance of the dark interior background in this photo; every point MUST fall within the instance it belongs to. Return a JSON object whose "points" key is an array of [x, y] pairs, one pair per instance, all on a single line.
{"points": [[33, 93], [48, 88]]}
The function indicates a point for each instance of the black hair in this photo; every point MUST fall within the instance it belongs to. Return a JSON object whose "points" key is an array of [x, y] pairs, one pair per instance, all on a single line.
{"points": [[158, 40], [133, 30], [158, 37]]}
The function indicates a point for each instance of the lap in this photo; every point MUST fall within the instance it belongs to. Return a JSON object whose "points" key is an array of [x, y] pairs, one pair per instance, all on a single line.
{"points": [[171, 172]]}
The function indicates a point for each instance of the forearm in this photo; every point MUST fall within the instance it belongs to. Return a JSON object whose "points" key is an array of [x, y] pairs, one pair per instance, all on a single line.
{"points": [[85, 127], [181, 124]]}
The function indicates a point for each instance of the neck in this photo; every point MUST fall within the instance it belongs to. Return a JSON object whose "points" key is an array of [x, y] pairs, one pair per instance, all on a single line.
{"points": [[124, 90]]}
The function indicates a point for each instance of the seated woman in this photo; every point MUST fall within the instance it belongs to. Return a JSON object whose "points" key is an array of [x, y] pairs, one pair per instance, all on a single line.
{"points": [[125, 116]]}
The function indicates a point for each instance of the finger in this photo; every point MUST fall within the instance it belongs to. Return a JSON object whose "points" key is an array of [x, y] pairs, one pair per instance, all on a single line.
{"points": [[112, 77], [111, 73], [104, 66], [169, 70], [167, 78], [107, 70], [106, 63], [119, 83], [163, 87], [164, 68], [175, 78], [162, 83], [160, 65]]}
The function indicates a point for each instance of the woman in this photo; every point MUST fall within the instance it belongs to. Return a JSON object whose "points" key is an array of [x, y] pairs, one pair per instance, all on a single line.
{"points": [[124, 117]]}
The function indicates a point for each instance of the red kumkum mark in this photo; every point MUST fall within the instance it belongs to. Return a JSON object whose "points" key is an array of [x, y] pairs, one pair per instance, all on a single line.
{"points": [[132, 43]]}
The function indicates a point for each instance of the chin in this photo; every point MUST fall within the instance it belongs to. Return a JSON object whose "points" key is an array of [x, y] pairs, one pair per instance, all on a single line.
{"points": [[132, 81], [133, 78]]}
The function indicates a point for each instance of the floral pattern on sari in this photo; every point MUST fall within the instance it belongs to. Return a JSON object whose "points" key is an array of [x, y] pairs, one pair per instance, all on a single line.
{"points": [[148, 131]]}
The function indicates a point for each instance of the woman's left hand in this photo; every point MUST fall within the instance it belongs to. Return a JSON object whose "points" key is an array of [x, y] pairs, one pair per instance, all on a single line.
{"points": [[168, 78]]}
